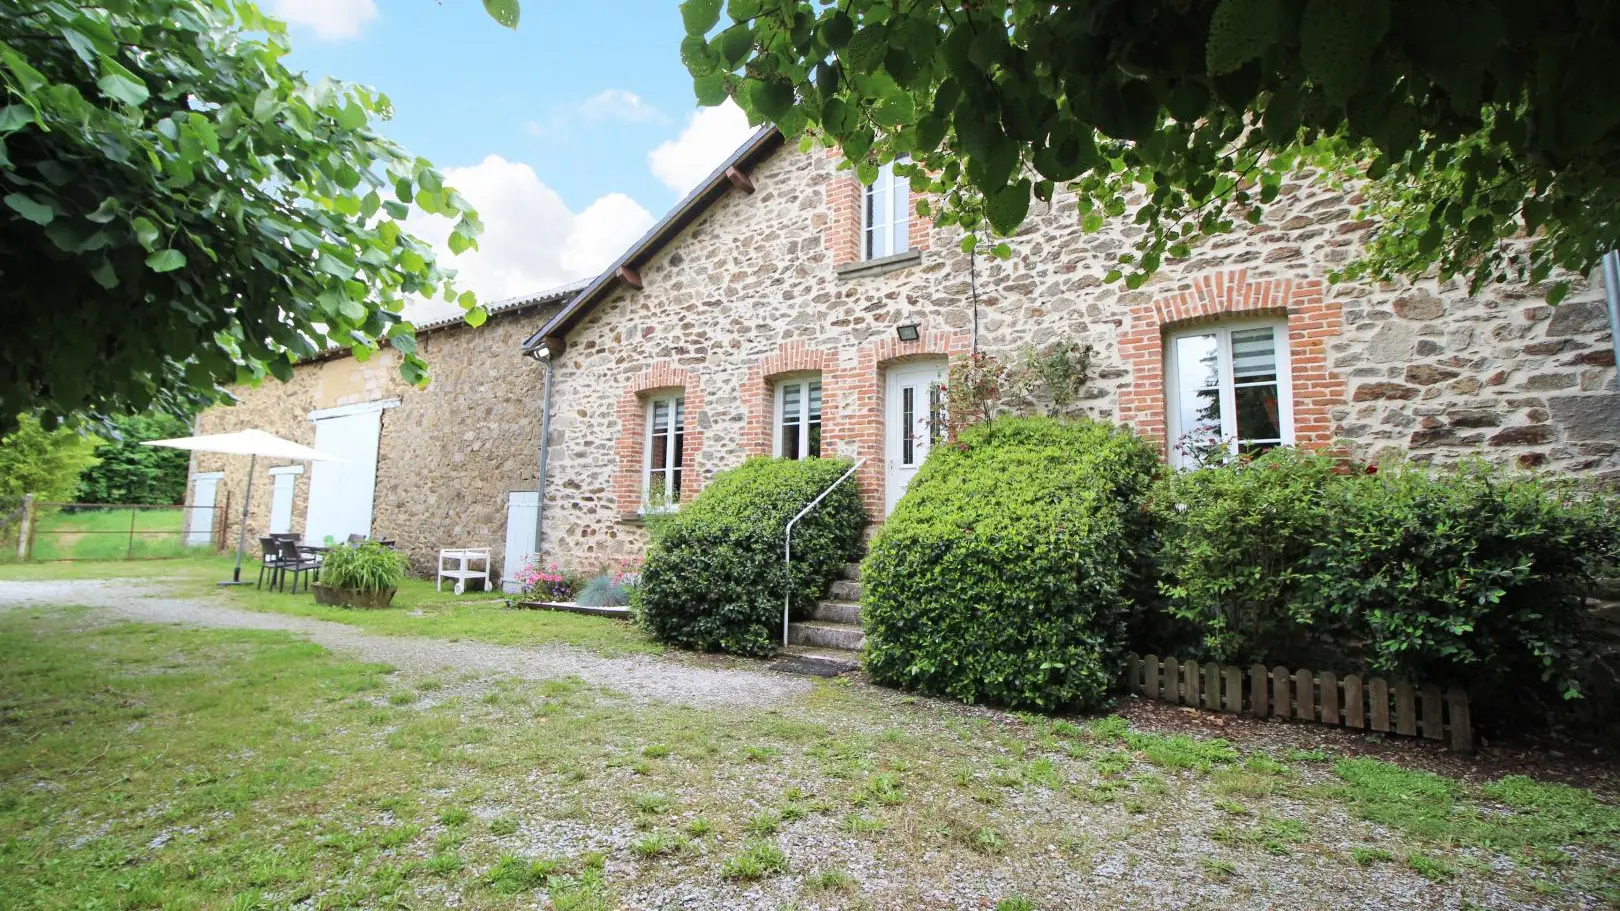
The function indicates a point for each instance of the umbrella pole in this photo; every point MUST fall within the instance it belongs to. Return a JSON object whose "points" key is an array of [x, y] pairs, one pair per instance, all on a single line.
{"points": [[241, 533]]}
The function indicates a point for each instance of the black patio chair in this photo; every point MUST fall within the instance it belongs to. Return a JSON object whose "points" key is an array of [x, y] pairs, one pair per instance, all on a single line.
{"points": [[271, 562], [358, 539], [292, 560]]}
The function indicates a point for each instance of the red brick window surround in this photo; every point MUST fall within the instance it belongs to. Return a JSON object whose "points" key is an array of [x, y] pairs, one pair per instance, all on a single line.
{"points": [[759, 393], [846, 200], [660, 379], [1311, 320]]}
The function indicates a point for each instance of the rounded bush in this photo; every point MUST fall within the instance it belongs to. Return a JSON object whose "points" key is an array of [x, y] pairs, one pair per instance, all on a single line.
{"points": [[1008, 570], [714, 578]]}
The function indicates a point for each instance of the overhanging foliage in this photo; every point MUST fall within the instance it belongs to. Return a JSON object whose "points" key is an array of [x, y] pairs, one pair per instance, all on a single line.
{"points": [[178, 210], [1477, 119]]}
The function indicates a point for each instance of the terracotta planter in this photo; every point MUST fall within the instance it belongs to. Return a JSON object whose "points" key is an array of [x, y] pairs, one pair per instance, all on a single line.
{"points": [[345, 597]]}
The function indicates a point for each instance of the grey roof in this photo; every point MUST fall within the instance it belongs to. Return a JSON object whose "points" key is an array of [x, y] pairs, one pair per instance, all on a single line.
{"points": [[498, 308], [764, 141], [548, 296]]}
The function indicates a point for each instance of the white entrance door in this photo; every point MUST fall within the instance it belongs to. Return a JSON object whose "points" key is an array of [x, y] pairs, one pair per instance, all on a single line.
{"points": [[521, 506], [913, 422], [340, 493], [282, 481], [200, 522]]}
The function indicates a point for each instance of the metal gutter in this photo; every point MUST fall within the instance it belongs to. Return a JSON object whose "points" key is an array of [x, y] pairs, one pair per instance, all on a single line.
{"points": [[764, 140], [543, 355]]}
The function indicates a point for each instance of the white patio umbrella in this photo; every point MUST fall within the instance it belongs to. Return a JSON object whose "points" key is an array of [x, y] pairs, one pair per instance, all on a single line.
{"points": [[251, 443]]}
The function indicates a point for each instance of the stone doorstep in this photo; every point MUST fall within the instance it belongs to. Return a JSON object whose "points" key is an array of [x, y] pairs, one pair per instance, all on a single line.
{"points": [[827, 635], [821, 662], [852, 572], [837, 612], [617, 613], [845, 590]]}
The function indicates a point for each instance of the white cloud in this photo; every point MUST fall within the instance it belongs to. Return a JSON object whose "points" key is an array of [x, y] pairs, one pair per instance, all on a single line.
{"points": [[710, 136], [619, 104], [532, 240], [332, 20]]}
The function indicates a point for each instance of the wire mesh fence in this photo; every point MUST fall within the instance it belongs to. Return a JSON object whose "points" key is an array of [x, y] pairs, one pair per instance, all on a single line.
{"points": [[101, 531]]}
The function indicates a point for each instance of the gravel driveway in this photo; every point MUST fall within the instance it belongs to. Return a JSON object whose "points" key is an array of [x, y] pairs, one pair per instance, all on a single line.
{"points": [[640, 678]]}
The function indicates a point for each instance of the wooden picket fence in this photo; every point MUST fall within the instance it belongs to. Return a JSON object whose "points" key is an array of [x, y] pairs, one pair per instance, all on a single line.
{"points": [[1365, 704]]}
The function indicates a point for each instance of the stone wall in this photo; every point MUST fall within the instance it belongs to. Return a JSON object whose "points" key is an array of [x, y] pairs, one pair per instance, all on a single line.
{"points": [[448, 455], [758, 286]]}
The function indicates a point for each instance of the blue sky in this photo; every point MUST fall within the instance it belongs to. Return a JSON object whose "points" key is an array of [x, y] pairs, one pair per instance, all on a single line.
{"points": [[570, 135]]}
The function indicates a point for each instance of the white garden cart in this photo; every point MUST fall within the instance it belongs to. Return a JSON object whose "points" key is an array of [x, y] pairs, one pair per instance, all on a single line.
{"points": [[457, 563]]}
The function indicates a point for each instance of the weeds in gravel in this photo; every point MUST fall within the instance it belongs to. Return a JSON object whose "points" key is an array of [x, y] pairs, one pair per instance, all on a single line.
{"points": [[862, 824], [512, 874], [757, 860], [765, 823], [1430, 868], [1218, 867], [1366, 857], [657, 844], [1178, 751], [503, 825], [830, 879], [697, 828], [1016, 903]]}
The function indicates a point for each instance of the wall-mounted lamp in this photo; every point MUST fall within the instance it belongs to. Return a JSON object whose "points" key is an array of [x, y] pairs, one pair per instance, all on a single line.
{"points": [[907, 332]]}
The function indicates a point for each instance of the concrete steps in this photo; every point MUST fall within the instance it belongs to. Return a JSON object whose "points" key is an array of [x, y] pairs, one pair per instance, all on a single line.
{"points": [[830, 642], [817, 634]]}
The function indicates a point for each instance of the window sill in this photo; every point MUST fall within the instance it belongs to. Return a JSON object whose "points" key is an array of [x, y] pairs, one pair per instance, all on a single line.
{"points": [[639, 517], [883, 265]]}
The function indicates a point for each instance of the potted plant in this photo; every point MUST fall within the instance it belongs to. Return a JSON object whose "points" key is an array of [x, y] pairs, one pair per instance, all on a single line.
{"points": [[360, 575]]}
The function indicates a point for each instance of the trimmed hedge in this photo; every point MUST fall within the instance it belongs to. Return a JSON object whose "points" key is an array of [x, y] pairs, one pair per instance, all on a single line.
{"points": [[1465, 575], [714, 577], [1007, 572]]}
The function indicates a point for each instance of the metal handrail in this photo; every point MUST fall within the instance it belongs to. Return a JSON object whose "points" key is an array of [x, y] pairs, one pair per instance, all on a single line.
{"points": [[787, 545]]}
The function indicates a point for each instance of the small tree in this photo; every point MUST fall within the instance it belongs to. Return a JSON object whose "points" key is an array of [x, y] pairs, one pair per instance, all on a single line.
{"points": [[45, 463]]}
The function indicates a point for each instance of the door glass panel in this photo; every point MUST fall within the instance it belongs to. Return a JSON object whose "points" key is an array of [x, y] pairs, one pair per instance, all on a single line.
{"points": [[908, 422]]}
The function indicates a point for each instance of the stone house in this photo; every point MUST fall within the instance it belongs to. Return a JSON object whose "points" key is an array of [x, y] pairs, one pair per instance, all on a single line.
{"points": [[428, 468], [784, 309]]}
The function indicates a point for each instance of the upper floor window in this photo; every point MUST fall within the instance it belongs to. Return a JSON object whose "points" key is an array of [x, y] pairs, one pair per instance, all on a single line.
{"points": [[1228, 392], [666, 447], [798, 418], [886, 215]]}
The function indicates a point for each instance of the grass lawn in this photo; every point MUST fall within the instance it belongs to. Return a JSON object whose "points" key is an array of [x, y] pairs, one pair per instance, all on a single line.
{"points": [[105, 534], [418, 610], [147, 767]]}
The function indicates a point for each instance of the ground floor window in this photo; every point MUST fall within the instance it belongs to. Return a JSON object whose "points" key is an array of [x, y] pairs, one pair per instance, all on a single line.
{"points": [[666, 447], [798, 418], [1228, 391]]}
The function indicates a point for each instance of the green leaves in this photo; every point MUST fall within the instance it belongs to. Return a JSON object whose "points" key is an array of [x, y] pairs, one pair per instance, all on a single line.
{"points": [[1240, 31], [119, 83], [506, 12], [166, 260], [700, 16], [1337, 38], [31, 209], [1006, 207], [222, 239]]}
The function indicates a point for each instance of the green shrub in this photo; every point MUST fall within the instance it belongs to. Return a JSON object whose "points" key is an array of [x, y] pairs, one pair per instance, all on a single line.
{"points": [[129, 472], [1007, 571], [714, 577], [1472, 573], [1233, 546], [367, 567], [1467, 574]]}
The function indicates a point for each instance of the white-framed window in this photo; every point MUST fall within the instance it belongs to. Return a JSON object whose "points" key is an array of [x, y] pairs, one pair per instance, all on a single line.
{"points": [[666, 447], [798, 418], [1228, 391], [886, 215]]}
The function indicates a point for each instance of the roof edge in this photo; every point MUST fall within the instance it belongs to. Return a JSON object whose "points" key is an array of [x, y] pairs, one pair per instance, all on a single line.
{"points": [[765, 140]]}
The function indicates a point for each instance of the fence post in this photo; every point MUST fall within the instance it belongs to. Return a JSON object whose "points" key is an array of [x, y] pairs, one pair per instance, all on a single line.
{"points": [[129, 553], [25, 531]]}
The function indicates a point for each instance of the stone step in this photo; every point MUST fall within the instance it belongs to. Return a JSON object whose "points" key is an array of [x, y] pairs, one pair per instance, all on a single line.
{"points": [[821, 662], [826, 635], [837, 612], [845, 590], [852, 572]]}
